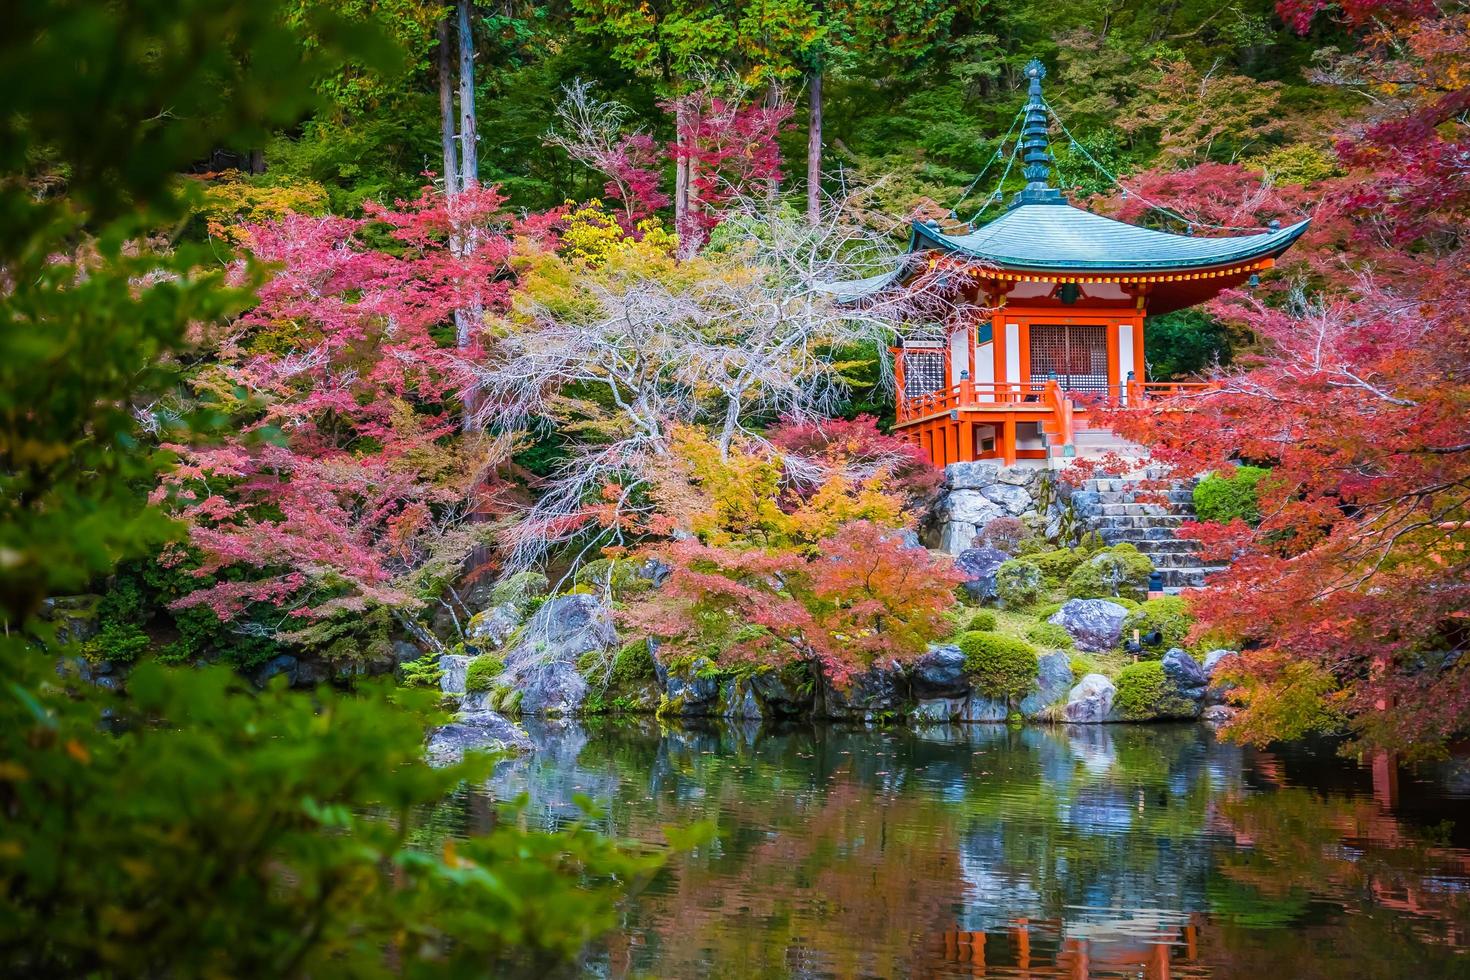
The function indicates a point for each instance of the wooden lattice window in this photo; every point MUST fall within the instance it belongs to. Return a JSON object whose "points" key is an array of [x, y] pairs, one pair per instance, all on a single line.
{"points": [[923, 371], [1076, 356]]}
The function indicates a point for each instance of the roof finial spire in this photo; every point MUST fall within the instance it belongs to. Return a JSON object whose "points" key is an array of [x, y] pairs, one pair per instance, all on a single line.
{"points": [[1035, 152]]}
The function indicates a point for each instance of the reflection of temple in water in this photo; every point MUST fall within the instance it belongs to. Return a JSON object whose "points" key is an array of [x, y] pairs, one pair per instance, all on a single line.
{"points": [[1040, 949], [1042, 852]]}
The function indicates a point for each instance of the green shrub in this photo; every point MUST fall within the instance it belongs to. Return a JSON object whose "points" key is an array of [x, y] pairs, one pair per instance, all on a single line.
{"points": [[1057, 565], [1018, 583], [1082, 665], [118, 643], [1222, 498], [982, 622], [1047, 610], [482, 672], [423, 672], [1169, 615], [1002, 667], [1116, 571], [1050, 636], [1144, 692]]}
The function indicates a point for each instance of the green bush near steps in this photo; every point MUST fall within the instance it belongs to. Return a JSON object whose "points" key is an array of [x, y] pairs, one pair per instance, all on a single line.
{"points": [[1168, 615], [1222, 497], [1001, 667]]}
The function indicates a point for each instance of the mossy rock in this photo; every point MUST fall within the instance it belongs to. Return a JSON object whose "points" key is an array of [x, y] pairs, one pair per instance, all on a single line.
{"points": [[1168, 615], [1018, 583], [1050, 636], [619, 578], [482, 672], [1000, 667], [1057, 565], [1119, 571], [1145, 693], [521, 590]]}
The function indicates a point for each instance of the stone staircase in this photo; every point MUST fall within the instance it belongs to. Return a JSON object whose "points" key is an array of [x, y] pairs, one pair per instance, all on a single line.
{"points": [[1109, 506]]}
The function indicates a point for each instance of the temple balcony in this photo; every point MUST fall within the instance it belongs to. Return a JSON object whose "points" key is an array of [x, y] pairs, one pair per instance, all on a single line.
{"points": [[1023, 423]]}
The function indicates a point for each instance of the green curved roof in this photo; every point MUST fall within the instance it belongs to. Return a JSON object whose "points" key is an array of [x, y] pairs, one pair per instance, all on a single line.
{"points": [[1063, 237]]}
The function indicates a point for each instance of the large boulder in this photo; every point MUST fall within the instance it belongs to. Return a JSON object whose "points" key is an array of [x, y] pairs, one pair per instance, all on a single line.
{"points": [[477, 731], [1218, 691], [970, 507], [875, 694], [784, 693], [489, 630], [542, 664], [738, 700], [979, 566], [454, 671], [972, 476], [1091, 701], [979, 708], [931, 711], [1185, 674], [1053, 682], [691, 689], [940, 673], [1015, 499], [1094, 624]]}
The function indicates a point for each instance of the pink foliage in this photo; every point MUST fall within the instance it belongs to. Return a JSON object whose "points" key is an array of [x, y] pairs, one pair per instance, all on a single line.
{"points": [[731, 150], [856, 444], [862, 596], [339, 484]]}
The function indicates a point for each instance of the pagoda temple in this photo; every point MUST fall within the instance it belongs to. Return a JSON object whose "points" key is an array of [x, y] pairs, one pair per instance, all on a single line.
{"points": [[1053, 315]]}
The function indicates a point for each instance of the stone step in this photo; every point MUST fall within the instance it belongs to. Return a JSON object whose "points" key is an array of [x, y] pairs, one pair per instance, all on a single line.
{"points": [[1174, 559], [1144, 510], [1170, 546], [1187, 578], [1144, 520], [1135, 535], [1183, 498]]}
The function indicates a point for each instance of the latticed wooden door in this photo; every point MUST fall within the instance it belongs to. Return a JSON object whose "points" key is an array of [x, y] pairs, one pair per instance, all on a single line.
{"points": [[923, 371], [1076, 356]]}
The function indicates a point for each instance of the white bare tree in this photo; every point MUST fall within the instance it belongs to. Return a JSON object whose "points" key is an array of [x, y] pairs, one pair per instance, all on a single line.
{"points": [[754, 327]]}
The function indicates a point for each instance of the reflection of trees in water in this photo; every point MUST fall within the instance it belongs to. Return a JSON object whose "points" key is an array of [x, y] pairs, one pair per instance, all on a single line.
{"points": [[1098, 849]]}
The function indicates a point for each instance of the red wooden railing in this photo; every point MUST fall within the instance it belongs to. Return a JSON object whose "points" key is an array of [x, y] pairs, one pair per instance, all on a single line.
{"points": [[981, 394]]}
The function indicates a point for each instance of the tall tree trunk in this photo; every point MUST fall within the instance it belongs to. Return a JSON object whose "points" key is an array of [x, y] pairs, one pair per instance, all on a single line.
{"points": [[814, 149], [773, 101], [257, 161], [446, 111], [469, 153], [681, 169]]}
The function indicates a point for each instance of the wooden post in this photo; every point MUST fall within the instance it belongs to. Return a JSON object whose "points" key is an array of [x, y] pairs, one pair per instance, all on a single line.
{"points": [[1008, 441], [900, 408], [1138, 361]]}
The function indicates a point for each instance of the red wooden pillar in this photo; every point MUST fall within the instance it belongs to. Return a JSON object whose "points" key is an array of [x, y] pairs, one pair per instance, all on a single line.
{"points": [[1008, 441]]}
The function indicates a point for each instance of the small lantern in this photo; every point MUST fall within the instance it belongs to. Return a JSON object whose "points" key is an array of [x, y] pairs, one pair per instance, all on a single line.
{"points": [[1155, 585], [1254, 280]]}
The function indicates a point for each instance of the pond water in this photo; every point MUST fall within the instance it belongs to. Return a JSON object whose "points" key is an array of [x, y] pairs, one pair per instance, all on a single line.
{"points": [[1078, 851]]}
